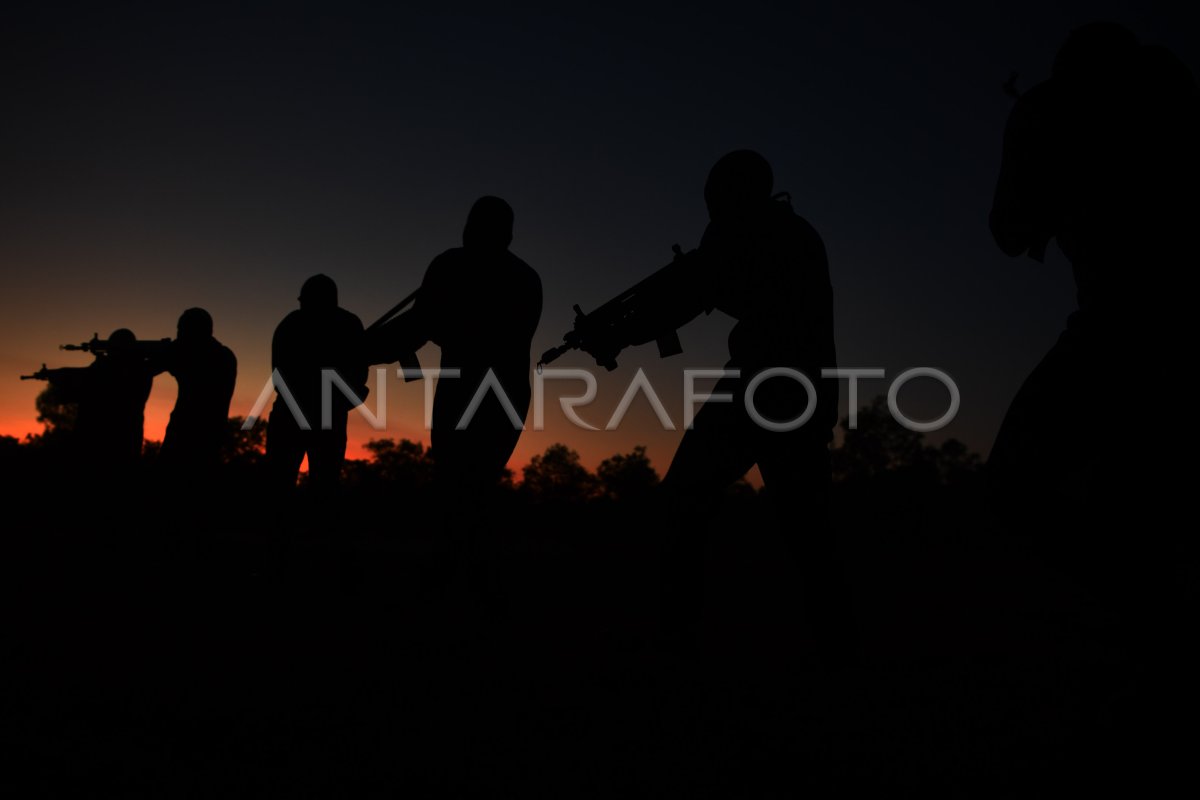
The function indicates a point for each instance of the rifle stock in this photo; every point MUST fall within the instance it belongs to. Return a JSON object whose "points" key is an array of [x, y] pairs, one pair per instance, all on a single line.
{"points": [[384, 340]]}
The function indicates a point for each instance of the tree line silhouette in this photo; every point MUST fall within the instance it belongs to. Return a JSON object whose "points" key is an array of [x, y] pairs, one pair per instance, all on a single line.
{"points": [[877, 452], [1054, 631]]}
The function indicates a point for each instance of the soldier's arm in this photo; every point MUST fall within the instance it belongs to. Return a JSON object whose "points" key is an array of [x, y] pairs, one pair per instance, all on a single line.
{"points": [[358, 369], [408, 332], [665, 302], [678, 295], [161, 361], [69, 383], [230, 379], [282, 349]]}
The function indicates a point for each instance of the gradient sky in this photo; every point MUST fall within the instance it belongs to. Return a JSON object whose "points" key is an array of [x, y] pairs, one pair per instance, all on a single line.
{"points": [[156, 159]]}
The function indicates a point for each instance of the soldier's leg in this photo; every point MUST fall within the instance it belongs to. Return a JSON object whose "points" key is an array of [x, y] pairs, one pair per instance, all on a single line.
{"points": [[716, 452], [285, 453], [468, 467], [327, 514], [796, 481], [326, 455], [285, 448]]}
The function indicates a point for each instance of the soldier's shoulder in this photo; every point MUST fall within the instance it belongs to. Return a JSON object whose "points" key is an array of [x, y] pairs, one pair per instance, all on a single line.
{"points": [[795, 224], [448, 258], [444, 266], [294, 317], [1037, 105], [800, 237], [520, 266], [348, 318]]}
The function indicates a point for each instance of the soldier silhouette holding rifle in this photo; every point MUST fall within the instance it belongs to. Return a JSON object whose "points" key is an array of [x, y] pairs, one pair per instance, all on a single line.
{"points": [[766, 267], [109, 396], [310, 344], [1102, 158], [206, 372], [481, 305]]}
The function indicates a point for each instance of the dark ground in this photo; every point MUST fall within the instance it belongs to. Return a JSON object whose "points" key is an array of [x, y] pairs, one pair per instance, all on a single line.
{"points": [[197, 649]]}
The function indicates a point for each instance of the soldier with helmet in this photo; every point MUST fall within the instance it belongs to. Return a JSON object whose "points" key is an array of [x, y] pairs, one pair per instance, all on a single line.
{"points": [[765, 266], [206, 371]]}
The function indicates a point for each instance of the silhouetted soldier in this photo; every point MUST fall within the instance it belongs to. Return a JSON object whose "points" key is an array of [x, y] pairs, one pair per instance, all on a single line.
{"points": [[316, 338], [111, 394], [481, 305], [766, 267], [206, 371], [1102, 157]]}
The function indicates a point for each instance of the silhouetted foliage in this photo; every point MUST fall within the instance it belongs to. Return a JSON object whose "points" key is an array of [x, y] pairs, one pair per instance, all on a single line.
{"points": [[627, 477], [556, 476], [880, 446], [740, 491], [877, 445], [243, 447], [506, 480], [56, 415], [395, 463], [956, 463]]}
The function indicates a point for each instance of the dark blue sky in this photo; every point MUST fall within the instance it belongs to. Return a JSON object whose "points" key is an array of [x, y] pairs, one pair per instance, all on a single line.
{"points": [[158, 159]]}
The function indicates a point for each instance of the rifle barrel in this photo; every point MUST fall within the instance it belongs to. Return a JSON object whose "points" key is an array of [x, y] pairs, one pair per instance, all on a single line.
{"points": [[553, 353], [393, 311]]}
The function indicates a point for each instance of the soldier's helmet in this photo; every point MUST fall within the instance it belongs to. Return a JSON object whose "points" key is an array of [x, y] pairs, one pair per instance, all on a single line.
{"points": [[489, 225], [319, 291], [195, 324], [738, 185], [1094, 52], [121, 342]]}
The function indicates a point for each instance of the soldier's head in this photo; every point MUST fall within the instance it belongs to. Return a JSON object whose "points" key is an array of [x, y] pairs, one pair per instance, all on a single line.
{"points": [[738, 187], [1095, 52], [121, 342], [319, 291], [489, 225], [195, 325]]}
